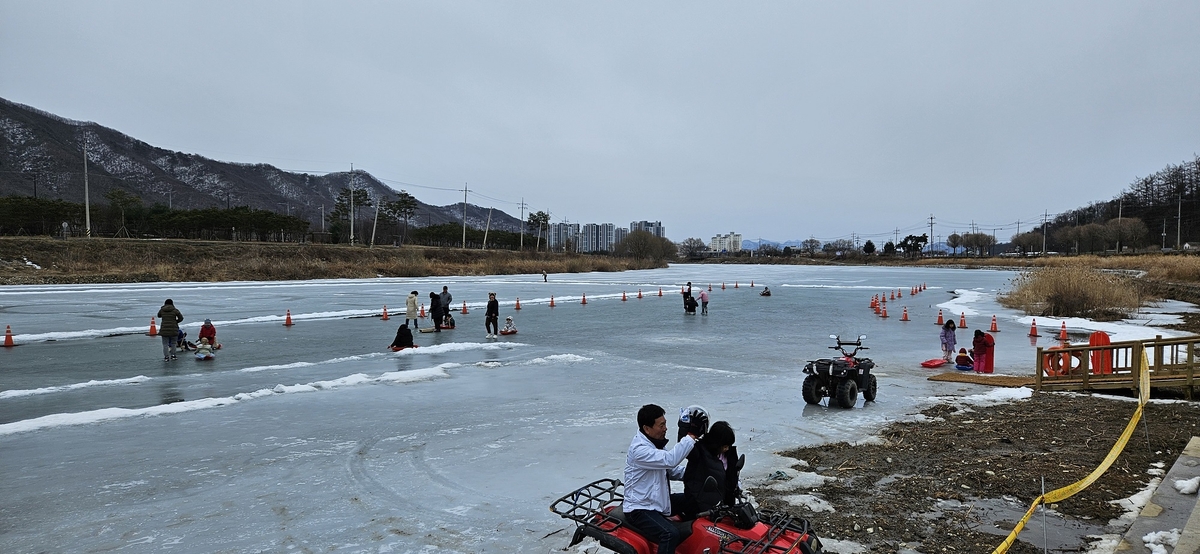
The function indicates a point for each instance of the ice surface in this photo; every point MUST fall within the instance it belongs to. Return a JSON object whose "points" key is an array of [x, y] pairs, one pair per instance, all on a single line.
{"points": [[315, 437]]}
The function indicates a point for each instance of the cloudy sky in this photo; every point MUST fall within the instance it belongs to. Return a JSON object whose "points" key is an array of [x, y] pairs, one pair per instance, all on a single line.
{"points": [[781, 120]]}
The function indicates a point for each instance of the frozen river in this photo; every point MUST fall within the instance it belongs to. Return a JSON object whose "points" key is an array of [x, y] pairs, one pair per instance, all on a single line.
{"points": [[313, 438]]}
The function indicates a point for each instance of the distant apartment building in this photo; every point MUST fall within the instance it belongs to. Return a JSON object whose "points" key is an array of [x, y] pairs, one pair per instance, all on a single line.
{"points": [[728, 243], [653, 227], [619, 234], [563, 234], [597, 237]]}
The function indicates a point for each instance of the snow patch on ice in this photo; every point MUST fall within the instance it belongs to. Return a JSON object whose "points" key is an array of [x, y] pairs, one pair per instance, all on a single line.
{"points": [[62, 388], [990, 398], [458, 347], [106, 414], [558, 358], [961, 302]]}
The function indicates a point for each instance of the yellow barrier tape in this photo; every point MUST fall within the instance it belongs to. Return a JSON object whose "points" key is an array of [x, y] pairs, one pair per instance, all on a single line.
{"points": [[1058, 495]]}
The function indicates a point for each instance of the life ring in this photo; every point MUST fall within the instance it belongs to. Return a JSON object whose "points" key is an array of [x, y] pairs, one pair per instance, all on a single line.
{"points": [[1061, 363]]}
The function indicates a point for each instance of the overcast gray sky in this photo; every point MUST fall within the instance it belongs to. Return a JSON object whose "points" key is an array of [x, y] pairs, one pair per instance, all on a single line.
{"points": [[780, 120]]}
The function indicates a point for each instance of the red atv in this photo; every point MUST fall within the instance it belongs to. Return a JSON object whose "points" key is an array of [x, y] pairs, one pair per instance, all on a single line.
{"points": [[737, 529]]}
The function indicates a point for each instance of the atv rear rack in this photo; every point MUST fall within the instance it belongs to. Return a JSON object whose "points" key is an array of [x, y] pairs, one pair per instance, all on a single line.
{"points": [[779, 524], [586, 505]]}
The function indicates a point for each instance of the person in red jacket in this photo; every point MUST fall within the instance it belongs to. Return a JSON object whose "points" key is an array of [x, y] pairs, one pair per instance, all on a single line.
{"points": [[207, 331], [983, 350]]}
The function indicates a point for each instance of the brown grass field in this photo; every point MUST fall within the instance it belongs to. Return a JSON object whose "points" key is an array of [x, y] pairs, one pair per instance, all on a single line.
{"points": [[132, 260]]}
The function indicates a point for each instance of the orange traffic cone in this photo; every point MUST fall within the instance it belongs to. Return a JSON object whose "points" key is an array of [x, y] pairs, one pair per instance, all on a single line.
{"points": [[1062, 333], [899, 293], [892, 295], [940, 320], [722, 285], [8, 342], [551, 301], [735, 284], [994, 329], [623, 299], [464, 310], [962, 320], [584, 300], [287, 321], [660, 291], [385, 316], [639, 294], [874, 302], [884, 314], [153, 329], [518, 306], [422, 314], [904, 316], [710, 287], [1033, 329], [752, 283], [877, 306]]}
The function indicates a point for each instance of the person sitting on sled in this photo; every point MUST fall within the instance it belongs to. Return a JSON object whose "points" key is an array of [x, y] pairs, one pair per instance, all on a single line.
{"points": [[204, 349], [648, 466], [508, 326], [963, 360], [404, 338]]}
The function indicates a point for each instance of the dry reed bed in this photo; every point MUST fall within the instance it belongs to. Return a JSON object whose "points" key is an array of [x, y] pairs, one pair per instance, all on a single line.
{"points": [[120, 260], [1180, 268], [1073, 291]]}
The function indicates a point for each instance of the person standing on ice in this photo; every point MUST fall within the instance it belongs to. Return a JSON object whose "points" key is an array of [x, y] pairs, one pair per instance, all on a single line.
{"points": [[169, 330], [491, 317], [410, 310], [435, 311], [703, 302], [446, 299], [648, 467], [949, 340], [983, 346]]}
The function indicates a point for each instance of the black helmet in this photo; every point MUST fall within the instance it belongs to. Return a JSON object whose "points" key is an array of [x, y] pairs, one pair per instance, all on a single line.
{"points": [[692, 419]]}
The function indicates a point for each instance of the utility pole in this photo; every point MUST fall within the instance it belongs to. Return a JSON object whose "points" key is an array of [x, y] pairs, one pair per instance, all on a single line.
{"points": [[487, 228], [374, 226], [87, 206], [1164, 234], [1178, 217], [35, 186], [351, 204], [464, 244], [895, 236], [170, 200], [322, 218], [1045, 214], [1120, 208], [522, 247], [931, 232]]}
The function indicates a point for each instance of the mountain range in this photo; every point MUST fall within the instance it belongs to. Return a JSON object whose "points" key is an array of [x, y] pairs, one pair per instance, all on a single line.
{"points": [[42, 155]]}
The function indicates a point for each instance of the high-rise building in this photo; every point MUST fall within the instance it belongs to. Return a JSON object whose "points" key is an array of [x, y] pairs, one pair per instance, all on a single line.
{"points": [[727, 243], [653, 227], [619, 234], [597, 237], [562, 234]]}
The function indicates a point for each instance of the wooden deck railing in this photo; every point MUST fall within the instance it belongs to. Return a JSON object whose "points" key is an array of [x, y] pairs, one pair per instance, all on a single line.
{"points": [[1172, 363]]}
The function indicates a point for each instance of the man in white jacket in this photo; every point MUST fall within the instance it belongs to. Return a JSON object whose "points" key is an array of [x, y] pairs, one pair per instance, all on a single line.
{"points": [[647, 470]]}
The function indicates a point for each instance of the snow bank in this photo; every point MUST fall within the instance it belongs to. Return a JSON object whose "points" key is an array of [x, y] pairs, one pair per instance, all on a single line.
{"points": [[1187, 486], [63, 388]]}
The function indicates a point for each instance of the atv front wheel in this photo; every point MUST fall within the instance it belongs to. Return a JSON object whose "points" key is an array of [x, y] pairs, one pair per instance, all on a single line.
{"points": [[814, 389], [871, 388], [847, 393]]}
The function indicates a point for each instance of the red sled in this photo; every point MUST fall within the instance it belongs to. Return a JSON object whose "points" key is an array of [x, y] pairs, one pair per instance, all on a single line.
{"points": [[935, 362]]}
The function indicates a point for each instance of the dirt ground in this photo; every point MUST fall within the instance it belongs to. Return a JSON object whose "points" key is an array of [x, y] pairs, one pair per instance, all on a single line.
{"points": [[889, 496]]}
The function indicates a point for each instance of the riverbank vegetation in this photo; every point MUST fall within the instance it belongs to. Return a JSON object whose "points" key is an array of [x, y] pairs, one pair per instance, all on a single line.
{"points": [[1075, 291], [36, 260]]}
